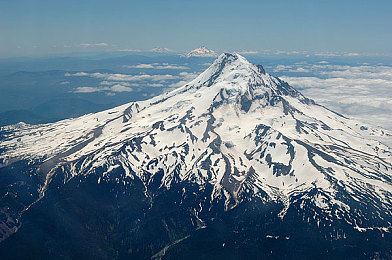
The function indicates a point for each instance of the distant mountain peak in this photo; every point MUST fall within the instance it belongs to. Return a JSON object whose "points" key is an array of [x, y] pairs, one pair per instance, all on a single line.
{"points": [[201, 52], [161, 50]]}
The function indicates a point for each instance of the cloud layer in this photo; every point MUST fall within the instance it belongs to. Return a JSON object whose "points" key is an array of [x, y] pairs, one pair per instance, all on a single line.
{"points": [[114, 88], [158, 66], [123, 77], [363, 92], [112, 83], [100, 44]]}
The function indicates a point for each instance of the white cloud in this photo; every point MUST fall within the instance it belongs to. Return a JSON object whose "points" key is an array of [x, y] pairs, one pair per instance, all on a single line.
{"points": [[114, 88], [186, 78], [298, 68], [351, 54], [162, 77], [284, 52], [178, 84], [124, 83], [105, 82], [188, 75], [87, 90], [327, 54], [176, 67], [282, 68], [100, 44], [373, 72], [123, 77], [158, 66], [65, 83], [76, 74], [248, 52], [120, 88], [156, 85], [362, 92], [129, 50], [141, 66]]}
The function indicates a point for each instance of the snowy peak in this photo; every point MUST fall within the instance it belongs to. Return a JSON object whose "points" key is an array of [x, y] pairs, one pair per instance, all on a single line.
{"points": [[161, 50], [227, 58], [201, 52], [227, 68], [238, 80], [230, 61]]}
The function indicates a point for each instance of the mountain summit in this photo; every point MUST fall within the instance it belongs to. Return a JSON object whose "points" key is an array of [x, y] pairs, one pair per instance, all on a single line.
{"points": [[242, 81], [235, 157], [201, 52]]}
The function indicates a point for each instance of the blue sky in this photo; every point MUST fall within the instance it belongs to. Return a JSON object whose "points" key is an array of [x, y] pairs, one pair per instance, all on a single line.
{"points": [[56, 26]]}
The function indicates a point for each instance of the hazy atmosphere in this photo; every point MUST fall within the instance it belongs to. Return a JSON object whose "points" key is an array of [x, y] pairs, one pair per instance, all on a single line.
{"points": [[43, 27]]}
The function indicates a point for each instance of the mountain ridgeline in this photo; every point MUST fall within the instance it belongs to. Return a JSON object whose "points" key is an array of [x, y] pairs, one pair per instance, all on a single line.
{"points": [[236, 164]]}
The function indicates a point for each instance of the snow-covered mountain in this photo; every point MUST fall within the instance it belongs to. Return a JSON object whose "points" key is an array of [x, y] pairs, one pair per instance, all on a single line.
{"points": [[235, 136], [201, 52], [161, 50]]}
